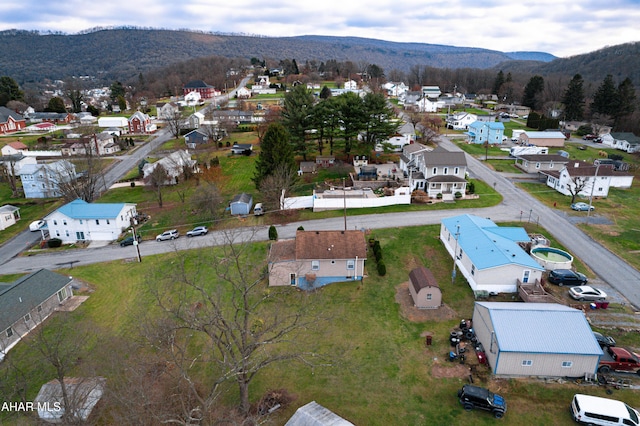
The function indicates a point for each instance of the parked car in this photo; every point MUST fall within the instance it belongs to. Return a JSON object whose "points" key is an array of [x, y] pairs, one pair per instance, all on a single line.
{"points": [[585, 292], [36, 225], [471, 397], [198, 230], [567, 277], [604, 341], [168, 235], [589, 137], [129, 241], [581, 207]]}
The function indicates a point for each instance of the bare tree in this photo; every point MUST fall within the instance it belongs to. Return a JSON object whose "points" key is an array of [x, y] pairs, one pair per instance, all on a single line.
{"points": [[578, 183], [84, 177], [158, 179], [219, 301], [276, 186], [174, 123], [207, 199], [8, 172]]}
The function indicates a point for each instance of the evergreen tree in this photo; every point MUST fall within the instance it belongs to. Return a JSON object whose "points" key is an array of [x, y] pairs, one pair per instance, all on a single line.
{"points": [[275, 152], [532, 92], [498, 82], [605, 98], [117, 89], [9, 91], [573, 99], [55, 104], [626, 101], [378, 120], [297, 116], [352, 118], [325, 92]]}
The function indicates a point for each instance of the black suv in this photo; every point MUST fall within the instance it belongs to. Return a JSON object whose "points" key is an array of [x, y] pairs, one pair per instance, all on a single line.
{"points": [[567, 277], [128, 241], [604, 341], [471, 397]]}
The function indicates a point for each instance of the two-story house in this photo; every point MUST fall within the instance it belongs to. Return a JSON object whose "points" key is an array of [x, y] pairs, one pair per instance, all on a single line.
{"points": [[206, 91], [480, 132], [461, 120], [140, 122], [409, 155], [45, 180], [440, 172], [176, 164], [82, 221]]}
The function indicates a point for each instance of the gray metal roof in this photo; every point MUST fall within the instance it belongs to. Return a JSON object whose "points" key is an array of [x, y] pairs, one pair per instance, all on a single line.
{"points": [[549, 328], [314, 414], [21, 296]]}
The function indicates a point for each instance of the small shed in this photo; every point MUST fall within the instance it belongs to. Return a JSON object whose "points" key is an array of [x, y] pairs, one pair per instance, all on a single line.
{"points": [[424, 289], [84, 394], [325, 161], [314, 414], [241, 204], [307, 167]]}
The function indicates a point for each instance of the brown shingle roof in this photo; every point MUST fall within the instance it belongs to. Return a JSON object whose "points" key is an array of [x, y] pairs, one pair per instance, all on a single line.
{"points": [[422, 277], [330, 245], [282, 250]]}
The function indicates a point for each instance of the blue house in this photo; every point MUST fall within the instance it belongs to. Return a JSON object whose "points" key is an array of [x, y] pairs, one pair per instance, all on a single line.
{"points": [[45, 180], [196, 137], [489, 256], [485, 131]]}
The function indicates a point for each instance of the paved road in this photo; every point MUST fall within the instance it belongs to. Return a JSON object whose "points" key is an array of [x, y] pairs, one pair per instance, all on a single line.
{"points": [[516, 206]]}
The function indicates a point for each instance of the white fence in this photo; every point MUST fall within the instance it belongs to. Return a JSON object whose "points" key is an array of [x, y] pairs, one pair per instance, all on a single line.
{"points": [[42, 153], [401, 196]]}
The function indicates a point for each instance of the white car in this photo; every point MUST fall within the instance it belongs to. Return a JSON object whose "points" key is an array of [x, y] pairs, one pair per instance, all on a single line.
{"points": [[36, 225], [168, 235], [585, 292]]}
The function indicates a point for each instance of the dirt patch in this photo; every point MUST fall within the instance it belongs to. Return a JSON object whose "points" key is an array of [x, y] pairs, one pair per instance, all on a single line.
{"points": [[413, 314], [450, 370]]}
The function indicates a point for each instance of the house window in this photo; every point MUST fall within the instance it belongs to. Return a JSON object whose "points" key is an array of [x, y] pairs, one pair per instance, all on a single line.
{"points": [[525, 276], [445, 171], [64, 222], [551, 165], [567, 364], [351, 264], [81, 222], [460, 254], [292, 279], [27, 318], [429, 296], [55, 222], [97, 221], [62, 294], [9, 332], [435, 171], [57, 233], [473, 269], [527, 363], [537, 165], [315, 265], [66, 232], [456, 170]]}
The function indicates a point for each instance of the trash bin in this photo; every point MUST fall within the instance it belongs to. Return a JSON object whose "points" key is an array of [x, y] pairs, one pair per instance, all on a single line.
{"points": [[604, 305], [428, 339]]}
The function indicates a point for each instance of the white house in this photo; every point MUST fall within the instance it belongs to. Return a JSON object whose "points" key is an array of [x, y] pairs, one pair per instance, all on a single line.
{"points": [[487, 255], [426, 104], [82, 221], [193, 98], [395, 89], [536, 339], [243, 93], [175, 164], [350, 85], [589, 180], [13, 148], [14, 163], [432, 92], [196, 120], [408, 158], [461, 120], [625, 141], [8, 216], [121, 122]]}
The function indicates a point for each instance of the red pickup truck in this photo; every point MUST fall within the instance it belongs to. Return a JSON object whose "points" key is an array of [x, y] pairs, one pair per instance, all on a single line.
{"points": [[619, 359]]}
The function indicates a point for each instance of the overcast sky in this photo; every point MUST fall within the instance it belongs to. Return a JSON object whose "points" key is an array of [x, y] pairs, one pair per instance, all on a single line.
{"points": [[560, 27]]}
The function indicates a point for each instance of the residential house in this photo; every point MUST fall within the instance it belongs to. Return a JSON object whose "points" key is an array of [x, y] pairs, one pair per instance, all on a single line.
{"points": [[480, 132], [167, 110], [550, 139], [408, 158], [196, 120], [525, 339], [625, 141], [350, 85], [82, 395], [424, 289], [534, 163], [45, 180], [431, 92], [243, 93], [140, 122], [13, 148], [440, 172], [461, 120], [28, 301], [325, 161], [10, 121], [314, 414], [8, 216], [193, 98], [196, 137], [405, 135], [587, 180], [102, 143], [489, 256], [307, 167], [175, 164], [235, 116], [206, 91], [317, 258], [410, 99], [395, 89], [82, 221], [51, 117], [12, 164], [427, 104], [241, 204]]}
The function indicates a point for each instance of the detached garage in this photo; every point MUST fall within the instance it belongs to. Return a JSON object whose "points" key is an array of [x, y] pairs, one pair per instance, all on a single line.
{"points": [[424, 289], [536, 339], [241, 204]]}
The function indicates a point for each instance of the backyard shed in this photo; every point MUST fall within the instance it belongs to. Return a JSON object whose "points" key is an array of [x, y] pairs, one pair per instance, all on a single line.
{"points": [[314, 414], [83, 395], [524, 339], [424, 289], [241, 204]]}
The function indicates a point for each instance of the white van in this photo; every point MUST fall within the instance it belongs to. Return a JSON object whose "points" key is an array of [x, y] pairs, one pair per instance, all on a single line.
{"points": [[257, 210], [602, 411]]}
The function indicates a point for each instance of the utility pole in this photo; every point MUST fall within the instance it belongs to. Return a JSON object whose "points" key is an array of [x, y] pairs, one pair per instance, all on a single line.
{"points": [[593, 186], [344, 202], [135, 238]]}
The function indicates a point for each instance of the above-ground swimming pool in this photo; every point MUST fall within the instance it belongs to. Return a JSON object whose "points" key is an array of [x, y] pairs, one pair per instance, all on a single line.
{"points": [[552, 258]]}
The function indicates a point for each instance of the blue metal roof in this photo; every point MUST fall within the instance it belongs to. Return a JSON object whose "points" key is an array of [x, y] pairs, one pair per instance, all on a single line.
{"points": [[489, 245], [80, 209], [540, 328]]}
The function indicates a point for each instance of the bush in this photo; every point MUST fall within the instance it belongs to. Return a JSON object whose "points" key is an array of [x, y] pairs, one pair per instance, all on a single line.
{"points": [[382, 269], [300, 228], [133, 184], [458, 194], [273, 233], [377, 251], [471, 187], [439, 196], [54, 243]]}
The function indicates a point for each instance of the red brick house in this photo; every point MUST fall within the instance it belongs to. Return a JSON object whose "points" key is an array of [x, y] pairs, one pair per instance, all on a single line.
{"points": [[10, 121], [206, 91], [140, 122]]}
